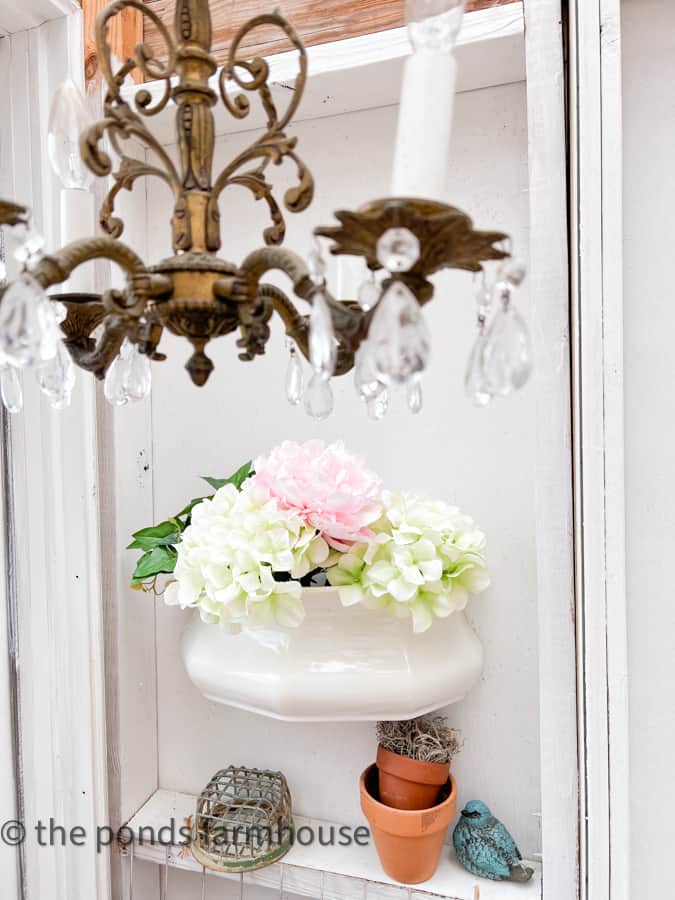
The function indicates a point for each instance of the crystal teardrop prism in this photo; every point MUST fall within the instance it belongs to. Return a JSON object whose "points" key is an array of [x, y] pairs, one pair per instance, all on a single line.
{"points": [[30, 244], [474, 379], [378, 405], [23, 321], [322, 346], [507, 355], [57, 377], [398, 335], [68, 118], [366, 379], [293, 378], [113, 386], [414, 396], [138, 375], [319, 397], [10, 389], [315, 264]]}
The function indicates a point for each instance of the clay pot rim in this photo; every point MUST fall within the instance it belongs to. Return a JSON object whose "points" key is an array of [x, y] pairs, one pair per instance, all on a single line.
{"points": [[410, 769], [406, 813]]}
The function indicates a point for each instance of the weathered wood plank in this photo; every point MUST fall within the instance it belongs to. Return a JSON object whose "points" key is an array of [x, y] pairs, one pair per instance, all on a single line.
{"points": [[125, 30], [316, 23]]}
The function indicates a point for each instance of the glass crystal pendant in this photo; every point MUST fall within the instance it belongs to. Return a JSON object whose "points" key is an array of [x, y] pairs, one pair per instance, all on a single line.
{"points": [[414, 395], [30, 244], [68, 118], [138, 376], [322, 345], [293, 376], [113, 386], [398, 335], [378, 405], [10, 389], [53, 312], [57, 378], [319, 397], [398, 249], [367, 381], [475, 385], [507, 355], [25, 319]]}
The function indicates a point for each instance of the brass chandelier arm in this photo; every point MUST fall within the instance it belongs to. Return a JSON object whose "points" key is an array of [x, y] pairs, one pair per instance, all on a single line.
{"points": [[296, 325], [350, 322], [141, 284], [97, 357], [266, 259]]}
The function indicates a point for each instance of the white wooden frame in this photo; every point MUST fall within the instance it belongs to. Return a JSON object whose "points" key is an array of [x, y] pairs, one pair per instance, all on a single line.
{"points": [[54, 476], [597, 321], [54, 484], [548, 276]]}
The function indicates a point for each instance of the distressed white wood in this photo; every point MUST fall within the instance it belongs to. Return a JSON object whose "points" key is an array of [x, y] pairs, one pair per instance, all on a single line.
{"points": [[15, 16], [548, 279], [344, 873], [647, 29], [490, 51], [10, 753], [55, 532], [597, 316]]}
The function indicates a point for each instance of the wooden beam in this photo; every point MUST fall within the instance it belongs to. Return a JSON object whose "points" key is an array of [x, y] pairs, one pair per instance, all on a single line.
{"points": [[125, 30], [316, 23]]}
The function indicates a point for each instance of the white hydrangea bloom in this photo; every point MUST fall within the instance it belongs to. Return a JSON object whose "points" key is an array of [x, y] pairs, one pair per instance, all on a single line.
{"points": [[229, 553], [425, 560]]}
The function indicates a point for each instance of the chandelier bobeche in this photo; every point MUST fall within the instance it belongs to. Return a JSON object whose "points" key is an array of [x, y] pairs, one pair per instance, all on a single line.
{"points": [[196, 293]]}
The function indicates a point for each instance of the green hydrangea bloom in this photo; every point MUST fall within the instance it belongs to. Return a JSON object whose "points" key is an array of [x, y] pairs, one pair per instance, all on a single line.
{"points": [[425, 559], [229, 553]]}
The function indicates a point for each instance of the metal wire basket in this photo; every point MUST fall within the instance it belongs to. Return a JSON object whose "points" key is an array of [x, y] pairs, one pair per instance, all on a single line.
{"points": [[243, 820]]}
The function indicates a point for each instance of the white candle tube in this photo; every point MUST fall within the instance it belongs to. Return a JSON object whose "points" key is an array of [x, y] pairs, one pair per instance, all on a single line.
{"points": [[77, 221], [421, 159]]}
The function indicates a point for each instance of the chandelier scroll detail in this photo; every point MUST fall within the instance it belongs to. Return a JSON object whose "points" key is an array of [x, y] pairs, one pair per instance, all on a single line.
{"points": [[199, 295]]}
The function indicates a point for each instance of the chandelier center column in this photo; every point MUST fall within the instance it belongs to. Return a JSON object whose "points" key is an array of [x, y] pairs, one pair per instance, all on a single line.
{"points": [[195, 225]]}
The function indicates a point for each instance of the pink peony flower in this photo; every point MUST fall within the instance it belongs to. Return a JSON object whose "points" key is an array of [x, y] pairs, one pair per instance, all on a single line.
{"points": [[330, 488]]}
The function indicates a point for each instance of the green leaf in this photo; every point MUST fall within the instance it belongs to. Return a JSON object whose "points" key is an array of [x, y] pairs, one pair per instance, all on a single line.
{"points": [[163, 535], [239, 477], [160, 560], [191, 505]]}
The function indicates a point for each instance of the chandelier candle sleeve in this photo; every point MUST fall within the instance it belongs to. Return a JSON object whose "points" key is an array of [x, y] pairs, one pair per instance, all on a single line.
{"points": [[68, 118], [427, 98]]}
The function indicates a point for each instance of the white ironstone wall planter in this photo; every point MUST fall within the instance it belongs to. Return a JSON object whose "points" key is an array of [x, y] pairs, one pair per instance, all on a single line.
{"points": [[340, 664]]}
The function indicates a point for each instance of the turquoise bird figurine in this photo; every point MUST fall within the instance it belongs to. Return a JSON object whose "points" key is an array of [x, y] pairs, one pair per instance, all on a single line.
{"points": [[485, 848]]}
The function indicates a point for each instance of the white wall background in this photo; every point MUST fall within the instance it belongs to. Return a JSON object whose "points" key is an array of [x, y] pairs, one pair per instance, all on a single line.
{"points": [[649, 231], [481, 459]]}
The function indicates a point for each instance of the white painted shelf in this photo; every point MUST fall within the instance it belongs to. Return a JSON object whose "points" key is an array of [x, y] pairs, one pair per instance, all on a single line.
{"points": [[365, 72], [326, 872]]}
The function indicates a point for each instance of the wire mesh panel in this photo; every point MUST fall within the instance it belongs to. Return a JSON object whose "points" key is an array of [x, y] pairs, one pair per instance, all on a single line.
{"points": [[243, 820]]}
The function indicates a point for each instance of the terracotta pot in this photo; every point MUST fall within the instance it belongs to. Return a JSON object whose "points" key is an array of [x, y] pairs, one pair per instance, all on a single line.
{"points": [[409, 783], [408, 842]]}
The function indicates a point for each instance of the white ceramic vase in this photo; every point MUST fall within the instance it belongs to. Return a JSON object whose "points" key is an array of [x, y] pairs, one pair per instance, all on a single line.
{"points": [[340, 664]]}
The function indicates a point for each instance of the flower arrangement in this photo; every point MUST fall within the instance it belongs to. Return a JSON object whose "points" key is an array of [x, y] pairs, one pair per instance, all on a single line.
{"points": [[310, 514]]}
